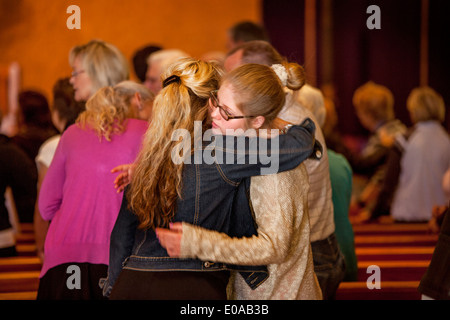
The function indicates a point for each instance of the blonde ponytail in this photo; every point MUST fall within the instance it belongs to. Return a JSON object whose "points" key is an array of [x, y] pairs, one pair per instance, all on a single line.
{"points": [[157, 181]]}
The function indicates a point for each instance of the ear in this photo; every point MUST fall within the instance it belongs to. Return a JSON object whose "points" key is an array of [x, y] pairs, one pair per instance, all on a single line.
{"points": [[257, 122], [138, 98]]}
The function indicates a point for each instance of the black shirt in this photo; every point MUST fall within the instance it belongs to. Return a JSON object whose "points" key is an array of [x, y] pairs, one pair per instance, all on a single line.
{"points": [[18, 172]]}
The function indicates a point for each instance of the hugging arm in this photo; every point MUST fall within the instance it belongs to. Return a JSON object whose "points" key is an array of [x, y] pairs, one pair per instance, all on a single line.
{"points": [[241, 157], [277, 214], [254, 156]]}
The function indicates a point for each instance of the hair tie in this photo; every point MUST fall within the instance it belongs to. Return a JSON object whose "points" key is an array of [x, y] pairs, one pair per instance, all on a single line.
{"points": [[171, 79], [281, 72]]}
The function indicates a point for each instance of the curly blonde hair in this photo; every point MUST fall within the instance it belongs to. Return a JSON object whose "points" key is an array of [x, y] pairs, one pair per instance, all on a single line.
{"points": [[157, 181], [106, 113]]}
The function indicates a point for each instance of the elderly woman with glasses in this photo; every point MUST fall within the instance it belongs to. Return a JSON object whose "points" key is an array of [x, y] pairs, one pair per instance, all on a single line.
{"points": [[96, 64]]}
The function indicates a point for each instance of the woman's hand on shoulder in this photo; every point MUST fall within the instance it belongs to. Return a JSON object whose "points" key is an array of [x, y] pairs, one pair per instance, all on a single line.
{"points": [[124, 177], [170, 239]]}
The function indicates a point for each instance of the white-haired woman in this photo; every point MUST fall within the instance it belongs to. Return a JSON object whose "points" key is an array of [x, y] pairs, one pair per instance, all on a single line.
{"points": [[418, 161]]}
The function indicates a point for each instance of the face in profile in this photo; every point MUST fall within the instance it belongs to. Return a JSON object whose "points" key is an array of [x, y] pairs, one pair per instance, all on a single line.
{"points": [[224, 105], [142, 109], [153, 78], [81, 82]]}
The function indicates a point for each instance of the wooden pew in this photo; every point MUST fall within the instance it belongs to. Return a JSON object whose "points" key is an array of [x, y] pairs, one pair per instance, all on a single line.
{"points": [[390, 228], [19, 281], [394, 253], [406, 240], [402, 251], [397, 270], [19, 276], [20, 264], [26, 295], [390, 290]]}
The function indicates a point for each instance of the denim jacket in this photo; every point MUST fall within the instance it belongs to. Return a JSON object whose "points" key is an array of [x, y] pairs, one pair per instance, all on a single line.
{"points": [[212, 193]]}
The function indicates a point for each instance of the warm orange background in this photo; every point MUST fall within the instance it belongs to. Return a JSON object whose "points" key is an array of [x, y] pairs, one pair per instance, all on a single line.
{"points": [[34, 33]]}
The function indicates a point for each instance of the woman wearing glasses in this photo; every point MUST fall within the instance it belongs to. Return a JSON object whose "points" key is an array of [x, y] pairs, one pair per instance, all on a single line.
{"points": [[279, 202], [95, 65], [162, 192]]}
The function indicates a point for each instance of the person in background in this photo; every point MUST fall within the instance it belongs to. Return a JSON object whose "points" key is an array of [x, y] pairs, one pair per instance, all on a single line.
{"points": [[78, 198], [341, 177], [417, 162], [374, 106], [65, 111], [18, 178], [262, 52], [158, 63], [10, 122], [435, 283], [439, 211], [35, 127], [140, 61], [35, 124], [138, 97], [243, 32], [96, 64]]}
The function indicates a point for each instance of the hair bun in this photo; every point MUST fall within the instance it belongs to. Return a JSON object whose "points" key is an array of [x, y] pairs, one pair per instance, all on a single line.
{"points": [[281, 72]]}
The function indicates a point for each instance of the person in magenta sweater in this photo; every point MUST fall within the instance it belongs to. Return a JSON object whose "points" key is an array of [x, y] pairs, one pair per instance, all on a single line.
{"points": [[78, 197]]}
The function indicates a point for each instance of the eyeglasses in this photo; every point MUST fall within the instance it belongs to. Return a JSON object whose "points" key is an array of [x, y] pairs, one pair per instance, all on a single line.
{"points": [[75, 73], [223, 112]]}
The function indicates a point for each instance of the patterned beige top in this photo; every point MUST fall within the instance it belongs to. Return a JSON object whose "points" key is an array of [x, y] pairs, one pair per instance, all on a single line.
{"points": [[283, 241]]}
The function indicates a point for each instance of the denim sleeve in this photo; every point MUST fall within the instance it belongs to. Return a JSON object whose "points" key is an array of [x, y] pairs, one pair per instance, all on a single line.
{"points": [[254, 156], [121, 246]]}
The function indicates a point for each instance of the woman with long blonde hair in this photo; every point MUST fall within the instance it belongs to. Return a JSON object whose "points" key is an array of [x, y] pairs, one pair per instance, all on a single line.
{"points": [[76, 195], [163, 191]]}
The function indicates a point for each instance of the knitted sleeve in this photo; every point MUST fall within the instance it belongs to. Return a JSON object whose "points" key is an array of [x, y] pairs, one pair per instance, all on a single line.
{"points": [[276, 200]]}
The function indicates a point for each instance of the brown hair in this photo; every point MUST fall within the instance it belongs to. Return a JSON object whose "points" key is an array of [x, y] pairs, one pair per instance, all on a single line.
{"points": [[246, 31], [258, 89], [64, 102], [374, 100]]}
